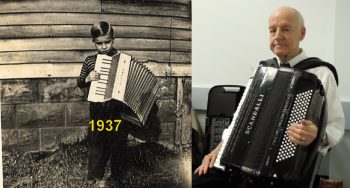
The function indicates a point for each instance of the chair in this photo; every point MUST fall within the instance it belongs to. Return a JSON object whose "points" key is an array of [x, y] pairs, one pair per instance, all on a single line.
{"points": [[222, 103]]}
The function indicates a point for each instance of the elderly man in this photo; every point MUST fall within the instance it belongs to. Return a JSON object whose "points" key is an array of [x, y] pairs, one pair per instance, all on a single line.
{"points": [[287, 29]]}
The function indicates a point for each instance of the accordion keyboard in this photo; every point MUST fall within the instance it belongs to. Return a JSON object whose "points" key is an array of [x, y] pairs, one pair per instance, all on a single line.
{"points": [[225, 137], [103, 69]]}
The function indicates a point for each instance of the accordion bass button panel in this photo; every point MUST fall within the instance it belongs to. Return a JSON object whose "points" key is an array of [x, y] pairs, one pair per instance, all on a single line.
{"points": [[299, 110]]}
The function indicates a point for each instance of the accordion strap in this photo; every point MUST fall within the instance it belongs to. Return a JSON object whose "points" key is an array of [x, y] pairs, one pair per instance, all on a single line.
{"points": [[314, 62], [308, 63], [269, 63]]}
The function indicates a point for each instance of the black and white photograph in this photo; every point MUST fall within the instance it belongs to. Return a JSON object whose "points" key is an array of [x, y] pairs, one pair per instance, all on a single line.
{"points": [[96, 93]]}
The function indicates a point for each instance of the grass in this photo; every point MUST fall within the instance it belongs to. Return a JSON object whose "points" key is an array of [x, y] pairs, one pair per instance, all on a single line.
{"points": [[150, 165]]}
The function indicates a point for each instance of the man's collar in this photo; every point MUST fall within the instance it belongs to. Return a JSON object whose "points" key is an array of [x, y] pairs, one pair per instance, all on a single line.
{"points": [[295, 60]]}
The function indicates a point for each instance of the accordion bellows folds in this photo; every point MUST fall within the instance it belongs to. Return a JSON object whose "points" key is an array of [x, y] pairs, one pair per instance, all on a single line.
{"points": [[125, 80], [258, 142]]}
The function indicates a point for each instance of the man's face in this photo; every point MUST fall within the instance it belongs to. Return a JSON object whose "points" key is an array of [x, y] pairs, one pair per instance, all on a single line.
{"points": [[103, 44], [285, 34]]}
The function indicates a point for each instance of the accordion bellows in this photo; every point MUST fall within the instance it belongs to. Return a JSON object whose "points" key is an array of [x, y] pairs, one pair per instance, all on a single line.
{"points": [[258, 143], [125, 80]]}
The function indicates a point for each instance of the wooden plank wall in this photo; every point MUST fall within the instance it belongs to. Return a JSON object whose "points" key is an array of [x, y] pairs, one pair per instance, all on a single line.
{"points": [[46, 38]]}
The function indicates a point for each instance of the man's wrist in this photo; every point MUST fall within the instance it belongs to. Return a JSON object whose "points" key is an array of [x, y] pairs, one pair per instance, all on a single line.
{"points": [[324, 141]]}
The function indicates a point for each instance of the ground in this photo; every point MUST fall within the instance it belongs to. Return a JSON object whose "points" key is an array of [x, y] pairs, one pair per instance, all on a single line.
{"points": [[150, 165]]}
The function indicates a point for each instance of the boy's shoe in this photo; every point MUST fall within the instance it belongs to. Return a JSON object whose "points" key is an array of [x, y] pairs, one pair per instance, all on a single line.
{"points": [[101, 184], [111, 182], [108, 183], [91, 182]]}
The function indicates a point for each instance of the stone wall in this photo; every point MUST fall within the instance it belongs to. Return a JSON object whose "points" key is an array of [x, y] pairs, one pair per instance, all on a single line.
{"points": [[39, 114]]}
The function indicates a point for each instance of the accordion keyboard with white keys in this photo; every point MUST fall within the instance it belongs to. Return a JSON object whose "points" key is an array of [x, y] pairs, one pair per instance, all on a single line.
{"points": [[125, 80], [257, 142]]}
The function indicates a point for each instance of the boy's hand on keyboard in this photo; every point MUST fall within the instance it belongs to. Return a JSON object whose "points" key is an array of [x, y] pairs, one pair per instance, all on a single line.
{"points": [[93, 76]]}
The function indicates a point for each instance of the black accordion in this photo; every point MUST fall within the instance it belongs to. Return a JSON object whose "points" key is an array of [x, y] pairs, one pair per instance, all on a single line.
{"points": [[258, 142], [128, 81]]}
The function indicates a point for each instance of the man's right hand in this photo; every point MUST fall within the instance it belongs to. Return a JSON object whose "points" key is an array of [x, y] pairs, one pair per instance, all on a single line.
{"points": [[93, 76], [208, 161]]}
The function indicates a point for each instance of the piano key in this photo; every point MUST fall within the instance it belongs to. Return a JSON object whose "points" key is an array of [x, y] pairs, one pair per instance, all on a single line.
{"points": [[103, 77], [102, 82]]}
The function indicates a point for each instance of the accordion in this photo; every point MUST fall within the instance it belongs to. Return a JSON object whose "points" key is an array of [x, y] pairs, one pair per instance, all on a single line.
{"points": [[257, 142], [125, 80]]}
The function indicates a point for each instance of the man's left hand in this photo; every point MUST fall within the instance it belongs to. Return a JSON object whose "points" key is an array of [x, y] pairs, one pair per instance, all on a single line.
{"points": [[302, 134]]}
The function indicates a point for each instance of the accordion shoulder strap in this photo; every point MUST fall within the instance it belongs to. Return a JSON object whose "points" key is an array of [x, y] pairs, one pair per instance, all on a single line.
{"points": [[308, 63], [314, 62], [269, 63]]}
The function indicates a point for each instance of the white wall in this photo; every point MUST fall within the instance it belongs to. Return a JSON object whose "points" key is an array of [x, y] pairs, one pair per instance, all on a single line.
{"points": [[230, 37], [339, 167], [341, 47]]}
